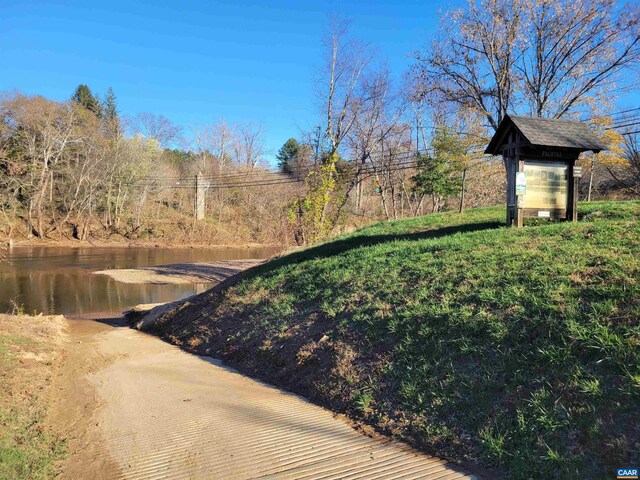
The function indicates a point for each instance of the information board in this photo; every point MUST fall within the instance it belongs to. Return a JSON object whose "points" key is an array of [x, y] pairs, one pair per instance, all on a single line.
{"points": [[547, 185]]}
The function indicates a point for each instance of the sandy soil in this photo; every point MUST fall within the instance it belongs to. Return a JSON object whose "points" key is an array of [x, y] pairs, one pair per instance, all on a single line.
{"points": [[159, 412], [30, 353], [181, 273], [76, 407]]}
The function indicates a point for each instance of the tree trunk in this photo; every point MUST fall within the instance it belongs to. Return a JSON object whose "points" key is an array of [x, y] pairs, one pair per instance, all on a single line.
{"points": [[418, 210], [590, 180], [358, 194], [464, 179]]}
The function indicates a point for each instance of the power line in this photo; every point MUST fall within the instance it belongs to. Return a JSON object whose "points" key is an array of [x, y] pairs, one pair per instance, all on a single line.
{"points": [[616, 127], [269, 177], [368, 172], [370, 169], [629, 118], [263, 173], [625, 111]]}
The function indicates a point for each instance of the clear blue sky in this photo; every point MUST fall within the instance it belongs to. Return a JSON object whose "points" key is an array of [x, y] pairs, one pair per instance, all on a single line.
{"points": [[197, 62]]}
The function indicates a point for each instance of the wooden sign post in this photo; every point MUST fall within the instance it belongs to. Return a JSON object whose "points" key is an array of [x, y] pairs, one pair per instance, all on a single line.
{"points": [[540, 159]]}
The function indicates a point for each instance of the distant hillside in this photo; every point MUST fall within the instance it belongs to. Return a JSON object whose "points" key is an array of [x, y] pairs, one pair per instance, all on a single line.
{"points": [[512, 349]]}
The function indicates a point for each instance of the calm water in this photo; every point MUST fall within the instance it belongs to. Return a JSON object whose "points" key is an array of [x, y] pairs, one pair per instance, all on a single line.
{"points": [[59, 280]]}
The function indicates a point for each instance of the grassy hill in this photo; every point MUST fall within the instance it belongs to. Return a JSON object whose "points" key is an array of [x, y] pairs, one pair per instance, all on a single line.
{"points": [[512, 349]]}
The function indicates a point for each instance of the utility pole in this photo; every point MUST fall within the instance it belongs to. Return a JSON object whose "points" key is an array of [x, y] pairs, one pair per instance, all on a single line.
{"points": [[199, 198]]}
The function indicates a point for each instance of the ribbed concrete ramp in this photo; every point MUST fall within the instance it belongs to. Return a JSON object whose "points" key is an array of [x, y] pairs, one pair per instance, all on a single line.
{"points": [[168, 414]]}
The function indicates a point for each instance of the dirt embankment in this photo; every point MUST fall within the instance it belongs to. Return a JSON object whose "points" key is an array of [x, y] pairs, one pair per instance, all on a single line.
{"points": [[181, 273]]}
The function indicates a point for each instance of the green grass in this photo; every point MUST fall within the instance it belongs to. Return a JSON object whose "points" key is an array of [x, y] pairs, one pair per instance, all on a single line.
{"points": [[512, 349], [27, 451], [27, 448]]}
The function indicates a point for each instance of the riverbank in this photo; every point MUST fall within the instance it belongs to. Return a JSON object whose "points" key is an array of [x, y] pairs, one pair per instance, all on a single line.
{"points": [[123, 243], [180, 273], [31, 352]]}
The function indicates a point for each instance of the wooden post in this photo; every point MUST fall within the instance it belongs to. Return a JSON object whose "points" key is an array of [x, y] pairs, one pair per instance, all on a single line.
{"points": [[574, 201], [520, 199], [199, 198], [573, 182], [509, 162]]}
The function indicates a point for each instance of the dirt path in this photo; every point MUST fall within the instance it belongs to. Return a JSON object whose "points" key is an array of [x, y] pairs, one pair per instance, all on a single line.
{"points": [[162, 413]]}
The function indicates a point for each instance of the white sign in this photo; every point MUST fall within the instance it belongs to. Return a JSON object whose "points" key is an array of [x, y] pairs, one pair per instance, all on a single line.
{"points": [[544, 213], [521, 183]]}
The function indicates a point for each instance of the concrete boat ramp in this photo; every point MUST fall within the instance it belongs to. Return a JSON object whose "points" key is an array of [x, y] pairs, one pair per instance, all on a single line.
{"points": [[161, 413]]}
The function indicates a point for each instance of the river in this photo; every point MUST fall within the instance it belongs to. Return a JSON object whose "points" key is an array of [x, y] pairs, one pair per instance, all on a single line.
{"points": [[58, 280]]}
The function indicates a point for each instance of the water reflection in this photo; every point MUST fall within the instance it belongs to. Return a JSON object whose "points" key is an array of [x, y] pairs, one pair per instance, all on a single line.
{"points": [[59, 280]]}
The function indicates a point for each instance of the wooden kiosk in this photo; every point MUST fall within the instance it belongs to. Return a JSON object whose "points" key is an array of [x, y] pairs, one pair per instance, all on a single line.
{"points": [[540, 157]]}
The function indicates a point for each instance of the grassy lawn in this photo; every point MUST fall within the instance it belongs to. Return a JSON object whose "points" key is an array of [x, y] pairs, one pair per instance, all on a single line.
{"points": [[517, 350], [29, 348]]}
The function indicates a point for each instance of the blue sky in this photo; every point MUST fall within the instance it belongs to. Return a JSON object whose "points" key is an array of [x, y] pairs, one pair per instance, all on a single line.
{"points": [[197, 62]]}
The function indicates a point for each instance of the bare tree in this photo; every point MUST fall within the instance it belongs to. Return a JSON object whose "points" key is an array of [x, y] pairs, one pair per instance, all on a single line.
{"points": [[627, 176], [41, 130], [473, 63], [573, 51], [377, 122], [249, 146], [157, 127], [215, 146], [341, 96], [82, 177], [345, 62], [61, 171], [543, 57], [223, 137], [395, 151]]}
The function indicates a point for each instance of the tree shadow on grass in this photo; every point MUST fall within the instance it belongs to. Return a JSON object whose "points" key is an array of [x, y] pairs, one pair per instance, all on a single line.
{"points": [[337, 247]]}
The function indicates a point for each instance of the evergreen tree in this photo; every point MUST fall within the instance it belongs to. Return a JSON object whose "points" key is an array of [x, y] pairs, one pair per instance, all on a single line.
{"points": [[286, 156], [85, 97], [110, 112], [110, 107]]}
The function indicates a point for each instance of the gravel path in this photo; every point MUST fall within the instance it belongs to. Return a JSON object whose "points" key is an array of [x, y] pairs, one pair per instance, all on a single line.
{"points": [[164, 413]]}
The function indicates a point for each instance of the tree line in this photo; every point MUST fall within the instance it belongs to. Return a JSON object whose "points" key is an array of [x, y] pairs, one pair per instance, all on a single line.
{"points": [[78, 169]]}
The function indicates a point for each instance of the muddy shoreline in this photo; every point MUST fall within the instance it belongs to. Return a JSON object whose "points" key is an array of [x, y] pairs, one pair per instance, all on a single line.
{"points": [[180, 273], [67, 243]]}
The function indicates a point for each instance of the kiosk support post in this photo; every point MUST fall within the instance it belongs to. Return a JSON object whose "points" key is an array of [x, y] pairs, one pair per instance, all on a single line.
{"points": [[520, 200]]}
